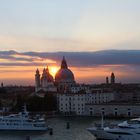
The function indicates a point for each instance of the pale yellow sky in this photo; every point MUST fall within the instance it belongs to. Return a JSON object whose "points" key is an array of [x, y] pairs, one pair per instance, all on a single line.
{"points": [[69, 25]]}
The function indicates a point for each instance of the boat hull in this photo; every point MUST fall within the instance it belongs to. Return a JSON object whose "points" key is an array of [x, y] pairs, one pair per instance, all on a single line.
{"points": [[11, 129], [101, 134], [23, 122], [21, 128]]}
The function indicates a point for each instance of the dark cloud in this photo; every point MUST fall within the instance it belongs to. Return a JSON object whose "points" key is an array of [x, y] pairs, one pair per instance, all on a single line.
{"points": [[10, 56], [94, 58], [83, 59], [22, 64], [15, 71]]}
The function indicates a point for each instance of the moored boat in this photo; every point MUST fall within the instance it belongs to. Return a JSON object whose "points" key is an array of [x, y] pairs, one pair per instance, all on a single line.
{"points": [[127, 130], [23, 121]]}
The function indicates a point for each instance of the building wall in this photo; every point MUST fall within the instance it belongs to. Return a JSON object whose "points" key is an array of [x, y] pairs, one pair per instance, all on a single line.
{"points": [[78, 88], [72, 104], [99, 97], [127, 96], [76, 102], [110, 110]]}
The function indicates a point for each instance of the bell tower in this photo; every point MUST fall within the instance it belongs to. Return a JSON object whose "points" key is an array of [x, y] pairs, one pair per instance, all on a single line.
{"points": [[37, 80], [112, 78]]}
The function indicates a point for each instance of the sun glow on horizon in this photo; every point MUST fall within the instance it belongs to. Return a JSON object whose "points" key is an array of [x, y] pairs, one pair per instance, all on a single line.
{"points": [[53, 70]]}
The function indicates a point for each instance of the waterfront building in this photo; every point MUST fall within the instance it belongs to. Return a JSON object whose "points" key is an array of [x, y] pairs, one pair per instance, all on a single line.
{"points": [[75, 102], [71, 103], [129, 96], [113, 109], [98, 95]]}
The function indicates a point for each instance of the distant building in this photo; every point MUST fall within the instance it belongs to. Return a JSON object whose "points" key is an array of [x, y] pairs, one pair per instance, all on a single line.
{"points": [[2, 85], [112, 80], [107, 80]]}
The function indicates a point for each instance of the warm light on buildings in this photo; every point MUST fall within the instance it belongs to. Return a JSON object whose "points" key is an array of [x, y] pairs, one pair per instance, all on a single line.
{"points": [[53, 70]]}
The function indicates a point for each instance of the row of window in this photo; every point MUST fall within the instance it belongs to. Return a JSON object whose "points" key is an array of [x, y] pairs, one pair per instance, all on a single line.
{"points": [[71, 108], [115, 113], [107, 108], [72, 104], [65, 99], [19, 124], [89, 98]]}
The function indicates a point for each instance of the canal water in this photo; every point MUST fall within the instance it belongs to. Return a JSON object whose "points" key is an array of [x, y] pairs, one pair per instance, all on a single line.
{"points": [[77, 130]]}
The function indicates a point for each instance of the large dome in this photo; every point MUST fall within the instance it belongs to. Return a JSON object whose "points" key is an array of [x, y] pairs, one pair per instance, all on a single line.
{"points": [[64, 75]]}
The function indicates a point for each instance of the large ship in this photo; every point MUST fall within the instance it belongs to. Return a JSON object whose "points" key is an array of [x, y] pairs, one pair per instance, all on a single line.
{"points": [[127, 130], [23, 121]]}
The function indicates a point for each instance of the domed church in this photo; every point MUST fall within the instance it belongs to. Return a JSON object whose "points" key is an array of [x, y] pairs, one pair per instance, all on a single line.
{"points": [[64, 77]]}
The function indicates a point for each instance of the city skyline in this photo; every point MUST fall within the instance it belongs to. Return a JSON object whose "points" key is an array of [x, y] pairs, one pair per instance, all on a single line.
{"points": [[19, 68], [96, 36]]}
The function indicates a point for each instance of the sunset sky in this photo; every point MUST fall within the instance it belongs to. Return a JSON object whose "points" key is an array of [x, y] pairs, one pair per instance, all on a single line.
{"points": [[74, 26]]}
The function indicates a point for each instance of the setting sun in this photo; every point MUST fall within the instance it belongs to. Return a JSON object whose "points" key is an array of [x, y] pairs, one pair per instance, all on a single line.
{"points": [[53, 70]]}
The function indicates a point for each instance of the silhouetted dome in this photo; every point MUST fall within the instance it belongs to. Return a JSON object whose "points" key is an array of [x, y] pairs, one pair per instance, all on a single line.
{"points": [[64, 74]]}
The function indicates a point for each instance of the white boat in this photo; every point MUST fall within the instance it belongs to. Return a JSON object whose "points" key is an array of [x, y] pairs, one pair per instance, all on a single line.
{"points": [[23, 121], [127, 130]]}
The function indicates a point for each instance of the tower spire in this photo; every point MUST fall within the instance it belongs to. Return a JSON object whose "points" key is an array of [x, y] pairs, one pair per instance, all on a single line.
{"points": [[47, 69], [64, 63], [37, 79], [107, 80], [112, 78]]}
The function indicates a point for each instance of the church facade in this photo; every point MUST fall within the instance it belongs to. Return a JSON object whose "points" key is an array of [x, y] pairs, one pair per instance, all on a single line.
{"points": [[64, 79], [44, 82]]}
